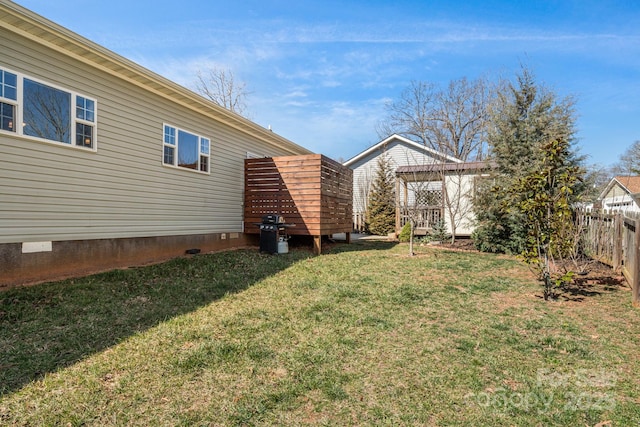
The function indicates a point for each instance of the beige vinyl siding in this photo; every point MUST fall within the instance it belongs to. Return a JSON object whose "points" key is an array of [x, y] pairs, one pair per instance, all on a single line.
{"points": [[53, 192], [617, 191], [619, 199]]}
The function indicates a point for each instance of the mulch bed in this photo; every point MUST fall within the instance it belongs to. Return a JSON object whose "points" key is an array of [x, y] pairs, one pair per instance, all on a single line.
{"points": [[594, 278]]}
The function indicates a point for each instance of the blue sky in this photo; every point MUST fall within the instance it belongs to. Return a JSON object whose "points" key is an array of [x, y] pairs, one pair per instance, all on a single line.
{"points": [[320, 72]]}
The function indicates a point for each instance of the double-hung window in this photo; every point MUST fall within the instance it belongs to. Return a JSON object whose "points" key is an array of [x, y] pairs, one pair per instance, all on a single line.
{"points": [[8, 100], [185, 149], [45, 112], [85, 119]]}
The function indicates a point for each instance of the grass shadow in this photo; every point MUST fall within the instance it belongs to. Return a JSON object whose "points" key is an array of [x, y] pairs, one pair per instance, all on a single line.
{"points": [[330, 245], [587, 287], [358, 245], [596, 285], [46, 327]]}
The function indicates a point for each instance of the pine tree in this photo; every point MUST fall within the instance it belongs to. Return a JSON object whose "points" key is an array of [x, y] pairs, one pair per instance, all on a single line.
{"points": [[381, 210], [525, 119]]}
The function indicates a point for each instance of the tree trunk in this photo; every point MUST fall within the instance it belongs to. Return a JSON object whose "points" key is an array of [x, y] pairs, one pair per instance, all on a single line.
{"points": [[449, 208], [411, 238]]}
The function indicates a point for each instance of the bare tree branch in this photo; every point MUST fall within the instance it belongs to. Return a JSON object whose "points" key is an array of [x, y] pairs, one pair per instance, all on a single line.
{"points": [[451, 120], [221, 87], [629, 163]]}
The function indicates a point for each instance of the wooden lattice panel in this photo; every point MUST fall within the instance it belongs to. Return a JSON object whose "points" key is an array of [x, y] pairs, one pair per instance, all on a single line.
{"points": [[429, 198], [312, 191]]}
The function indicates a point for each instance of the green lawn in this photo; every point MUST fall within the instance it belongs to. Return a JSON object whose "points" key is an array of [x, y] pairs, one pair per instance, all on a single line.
{"points": [[363, 335]]}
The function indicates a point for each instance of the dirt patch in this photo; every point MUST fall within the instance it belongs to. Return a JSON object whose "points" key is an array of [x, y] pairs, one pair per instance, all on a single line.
{"points": [[591, 278], [458, 245]]}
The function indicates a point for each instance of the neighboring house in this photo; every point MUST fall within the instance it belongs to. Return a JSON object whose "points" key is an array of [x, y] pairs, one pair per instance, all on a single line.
{"points": [[107, 164], [400, 151], [621, 194], [430, 185], [444, 191]]}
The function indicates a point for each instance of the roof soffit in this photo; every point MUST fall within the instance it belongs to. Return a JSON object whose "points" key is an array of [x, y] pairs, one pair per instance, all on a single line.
{"points": [[38, 29], [628, 184], [401, 140]]}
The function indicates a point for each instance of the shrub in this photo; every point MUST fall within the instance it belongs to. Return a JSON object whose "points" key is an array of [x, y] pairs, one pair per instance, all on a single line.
{"points": [[405, 233], [439, 232]]}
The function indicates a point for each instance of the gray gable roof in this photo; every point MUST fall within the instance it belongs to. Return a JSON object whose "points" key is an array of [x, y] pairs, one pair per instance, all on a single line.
{"points": [[405, 141]]}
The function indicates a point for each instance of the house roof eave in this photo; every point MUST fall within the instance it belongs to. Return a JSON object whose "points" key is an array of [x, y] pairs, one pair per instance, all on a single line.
{"points": [[618, 180], [447, 168], [407, 141], [32, 26]]}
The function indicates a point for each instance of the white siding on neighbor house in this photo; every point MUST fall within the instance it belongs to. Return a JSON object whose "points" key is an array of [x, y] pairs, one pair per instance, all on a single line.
{"points": [[619, 199], [51, 192], [364, 169], [461, 189]]}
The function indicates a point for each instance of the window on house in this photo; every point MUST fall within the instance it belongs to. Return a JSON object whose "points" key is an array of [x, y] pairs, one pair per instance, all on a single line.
{"points": [[8, 93], [251, 155], [185, 149], [8, 85], [204, 155], [7, 117], [85, 116], [46, 112]]}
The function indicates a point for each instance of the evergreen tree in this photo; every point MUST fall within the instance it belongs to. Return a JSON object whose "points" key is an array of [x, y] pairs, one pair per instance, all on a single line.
{"points": [[545, 196], [381, 209], [525, 119]]}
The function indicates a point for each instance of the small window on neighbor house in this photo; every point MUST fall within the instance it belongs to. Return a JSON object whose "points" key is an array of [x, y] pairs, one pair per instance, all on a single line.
{"points": [[185, 149], [84, 109], [204, 164]]}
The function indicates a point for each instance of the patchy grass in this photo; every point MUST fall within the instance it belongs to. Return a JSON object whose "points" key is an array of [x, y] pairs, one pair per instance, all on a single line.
{"points": [[361, 336]]}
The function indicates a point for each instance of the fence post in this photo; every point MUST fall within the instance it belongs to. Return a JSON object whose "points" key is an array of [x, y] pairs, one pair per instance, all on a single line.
{"points": [[618, 234], [635, 280]]}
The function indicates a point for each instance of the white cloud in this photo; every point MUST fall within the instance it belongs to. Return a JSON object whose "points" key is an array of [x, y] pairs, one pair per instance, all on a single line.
{"points": [[324, 85], [296, 93]]}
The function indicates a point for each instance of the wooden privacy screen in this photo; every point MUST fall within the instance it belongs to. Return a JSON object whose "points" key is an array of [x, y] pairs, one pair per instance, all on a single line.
{"points": [[311, 191]]}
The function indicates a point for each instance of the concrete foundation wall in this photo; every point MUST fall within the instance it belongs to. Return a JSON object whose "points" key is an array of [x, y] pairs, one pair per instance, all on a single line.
{"points": [[82, 257]]}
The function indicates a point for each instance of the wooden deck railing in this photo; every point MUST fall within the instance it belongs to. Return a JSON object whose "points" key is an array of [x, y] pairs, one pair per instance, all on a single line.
{"points": [[359, 222], [425, 217]]}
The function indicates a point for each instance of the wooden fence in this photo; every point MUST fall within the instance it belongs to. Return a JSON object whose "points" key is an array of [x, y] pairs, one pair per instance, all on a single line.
{"points": [[359, 222], [312, 192], [614, 239]]}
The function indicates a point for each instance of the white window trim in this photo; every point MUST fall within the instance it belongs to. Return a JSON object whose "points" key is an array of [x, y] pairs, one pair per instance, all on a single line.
{"points": [[14, 103], [176, 147], [251, 155], [19, 103]]}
